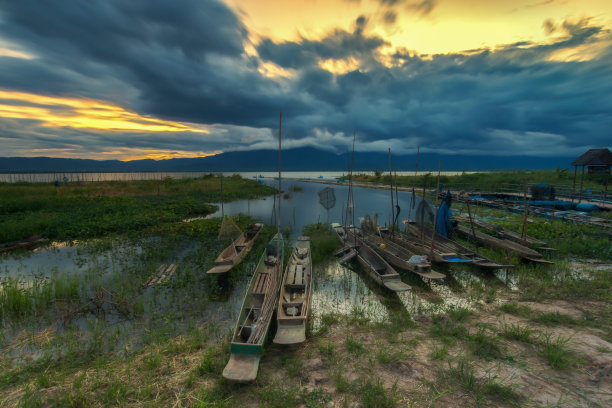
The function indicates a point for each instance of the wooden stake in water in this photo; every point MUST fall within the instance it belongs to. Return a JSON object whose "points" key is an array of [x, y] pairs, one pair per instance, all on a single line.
{"points": [[433, 234], [524, 232], [391, 189]]}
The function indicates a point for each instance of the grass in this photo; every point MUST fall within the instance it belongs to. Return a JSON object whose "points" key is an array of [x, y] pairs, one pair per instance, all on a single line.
{"points": [[463, 373], [484, 345], [439, 353], [447, 329], [86, 210], [323, 242], [353, 346], [374, 395], [556, 352], [385, 355], [516, 332]]}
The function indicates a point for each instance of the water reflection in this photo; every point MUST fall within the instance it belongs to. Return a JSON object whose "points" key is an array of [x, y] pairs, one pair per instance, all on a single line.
{"points": [[301, 206]]}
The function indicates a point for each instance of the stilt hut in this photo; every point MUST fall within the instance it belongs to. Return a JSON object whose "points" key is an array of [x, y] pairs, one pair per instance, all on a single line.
{"points": [[598, 161]]}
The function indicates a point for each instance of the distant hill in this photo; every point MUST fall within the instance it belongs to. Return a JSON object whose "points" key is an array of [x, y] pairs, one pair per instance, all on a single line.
{"points": [[301, 159]]}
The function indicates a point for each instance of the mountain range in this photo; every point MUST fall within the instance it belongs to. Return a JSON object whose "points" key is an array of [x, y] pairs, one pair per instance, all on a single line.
{"points": [[299, 159]]}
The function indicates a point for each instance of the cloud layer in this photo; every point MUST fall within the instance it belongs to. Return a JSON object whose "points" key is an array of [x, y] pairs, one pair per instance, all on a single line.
{"points": [[194, 61]]}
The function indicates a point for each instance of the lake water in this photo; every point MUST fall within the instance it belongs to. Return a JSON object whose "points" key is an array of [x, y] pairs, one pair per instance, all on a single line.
{"points": [[302, 206], [130, 176]]}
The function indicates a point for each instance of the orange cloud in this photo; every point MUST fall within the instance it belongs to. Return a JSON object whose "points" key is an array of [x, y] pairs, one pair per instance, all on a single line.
{"points": [[84, 114]]}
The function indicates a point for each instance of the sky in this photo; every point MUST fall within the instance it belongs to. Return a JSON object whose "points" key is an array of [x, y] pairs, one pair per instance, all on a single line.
{"points": [[116, 79]]}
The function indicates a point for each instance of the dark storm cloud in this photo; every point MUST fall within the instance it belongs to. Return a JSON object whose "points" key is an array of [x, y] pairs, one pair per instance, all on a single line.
{"points": [[339, 44], [181, 60], [185, 60], [514, 100]]}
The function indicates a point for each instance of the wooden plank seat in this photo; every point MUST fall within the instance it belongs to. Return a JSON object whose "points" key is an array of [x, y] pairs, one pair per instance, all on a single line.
{"points": [[261, 284], [295, 279]]}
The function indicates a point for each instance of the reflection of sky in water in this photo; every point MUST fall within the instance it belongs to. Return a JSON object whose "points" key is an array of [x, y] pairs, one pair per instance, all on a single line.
{"points": [[340, 290], [303, 207]]}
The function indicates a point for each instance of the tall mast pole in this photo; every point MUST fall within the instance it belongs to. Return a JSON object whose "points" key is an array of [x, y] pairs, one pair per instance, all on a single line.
{"points": [[278, 231], [433, 234], [391, 189]]}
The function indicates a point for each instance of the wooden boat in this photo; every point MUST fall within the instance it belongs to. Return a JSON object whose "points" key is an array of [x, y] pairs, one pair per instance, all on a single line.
{"points": [[504, 232], [29, 242], [295, 294], [447, 250], [374, 264], [401, 257], [503, 244], [255, 315], [234, 253]]}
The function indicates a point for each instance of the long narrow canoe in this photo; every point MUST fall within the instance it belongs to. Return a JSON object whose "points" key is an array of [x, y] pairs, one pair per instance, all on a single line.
{"points": [[401, 257], [503, 244], [374, 264], [504, 232], [29, 242], [255, 316], [235, 253], [444, 248], [295, 294]]}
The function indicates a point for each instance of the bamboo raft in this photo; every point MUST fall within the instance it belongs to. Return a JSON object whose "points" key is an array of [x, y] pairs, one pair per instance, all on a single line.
{"points": [[295, 295], [401, 257], [374, 264], [236, 251], [444, 249], [161, 275], [255, 315]]}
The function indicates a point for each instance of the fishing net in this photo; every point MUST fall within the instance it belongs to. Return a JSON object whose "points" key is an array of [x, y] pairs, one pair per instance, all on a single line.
{"points": [[229, 229], [424, 213]]}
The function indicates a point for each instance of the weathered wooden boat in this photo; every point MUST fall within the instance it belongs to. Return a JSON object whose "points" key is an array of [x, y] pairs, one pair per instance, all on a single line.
{"points": [[295, 295], [235, 253], [374, 264], [255, 315], [446, 250], [504, 232], [503, 244], [29, 242], [401, 257]]}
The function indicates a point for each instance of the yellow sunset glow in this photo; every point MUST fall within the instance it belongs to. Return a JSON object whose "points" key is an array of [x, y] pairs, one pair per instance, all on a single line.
{"points": [[337, 66], [123, 153], [451, 26], [84, 114]]}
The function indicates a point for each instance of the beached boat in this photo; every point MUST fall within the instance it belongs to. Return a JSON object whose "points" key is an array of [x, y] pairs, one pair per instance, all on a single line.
{"points": [[374, 264], [255, 315], [295, 294], [235, 253], [504, 232], [401, 257], [503, 244], [29, 242], [447, 250]]}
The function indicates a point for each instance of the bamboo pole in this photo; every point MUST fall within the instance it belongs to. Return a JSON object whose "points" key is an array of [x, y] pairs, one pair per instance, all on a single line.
{"points": [[581, 181], [391, 190], [278, 231], [524, 232], [433, 234], [574, 185], [472, 223]]}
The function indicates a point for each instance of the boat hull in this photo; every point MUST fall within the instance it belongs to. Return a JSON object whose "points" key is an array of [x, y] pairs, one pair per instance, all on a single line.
{"points": [[244, 352]]}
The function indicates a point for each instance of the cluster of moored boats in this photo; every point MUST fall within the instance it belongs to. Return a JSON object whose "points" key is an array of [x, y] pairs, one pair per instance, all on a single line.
{"points": [[287, 291], [272, 289]]}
